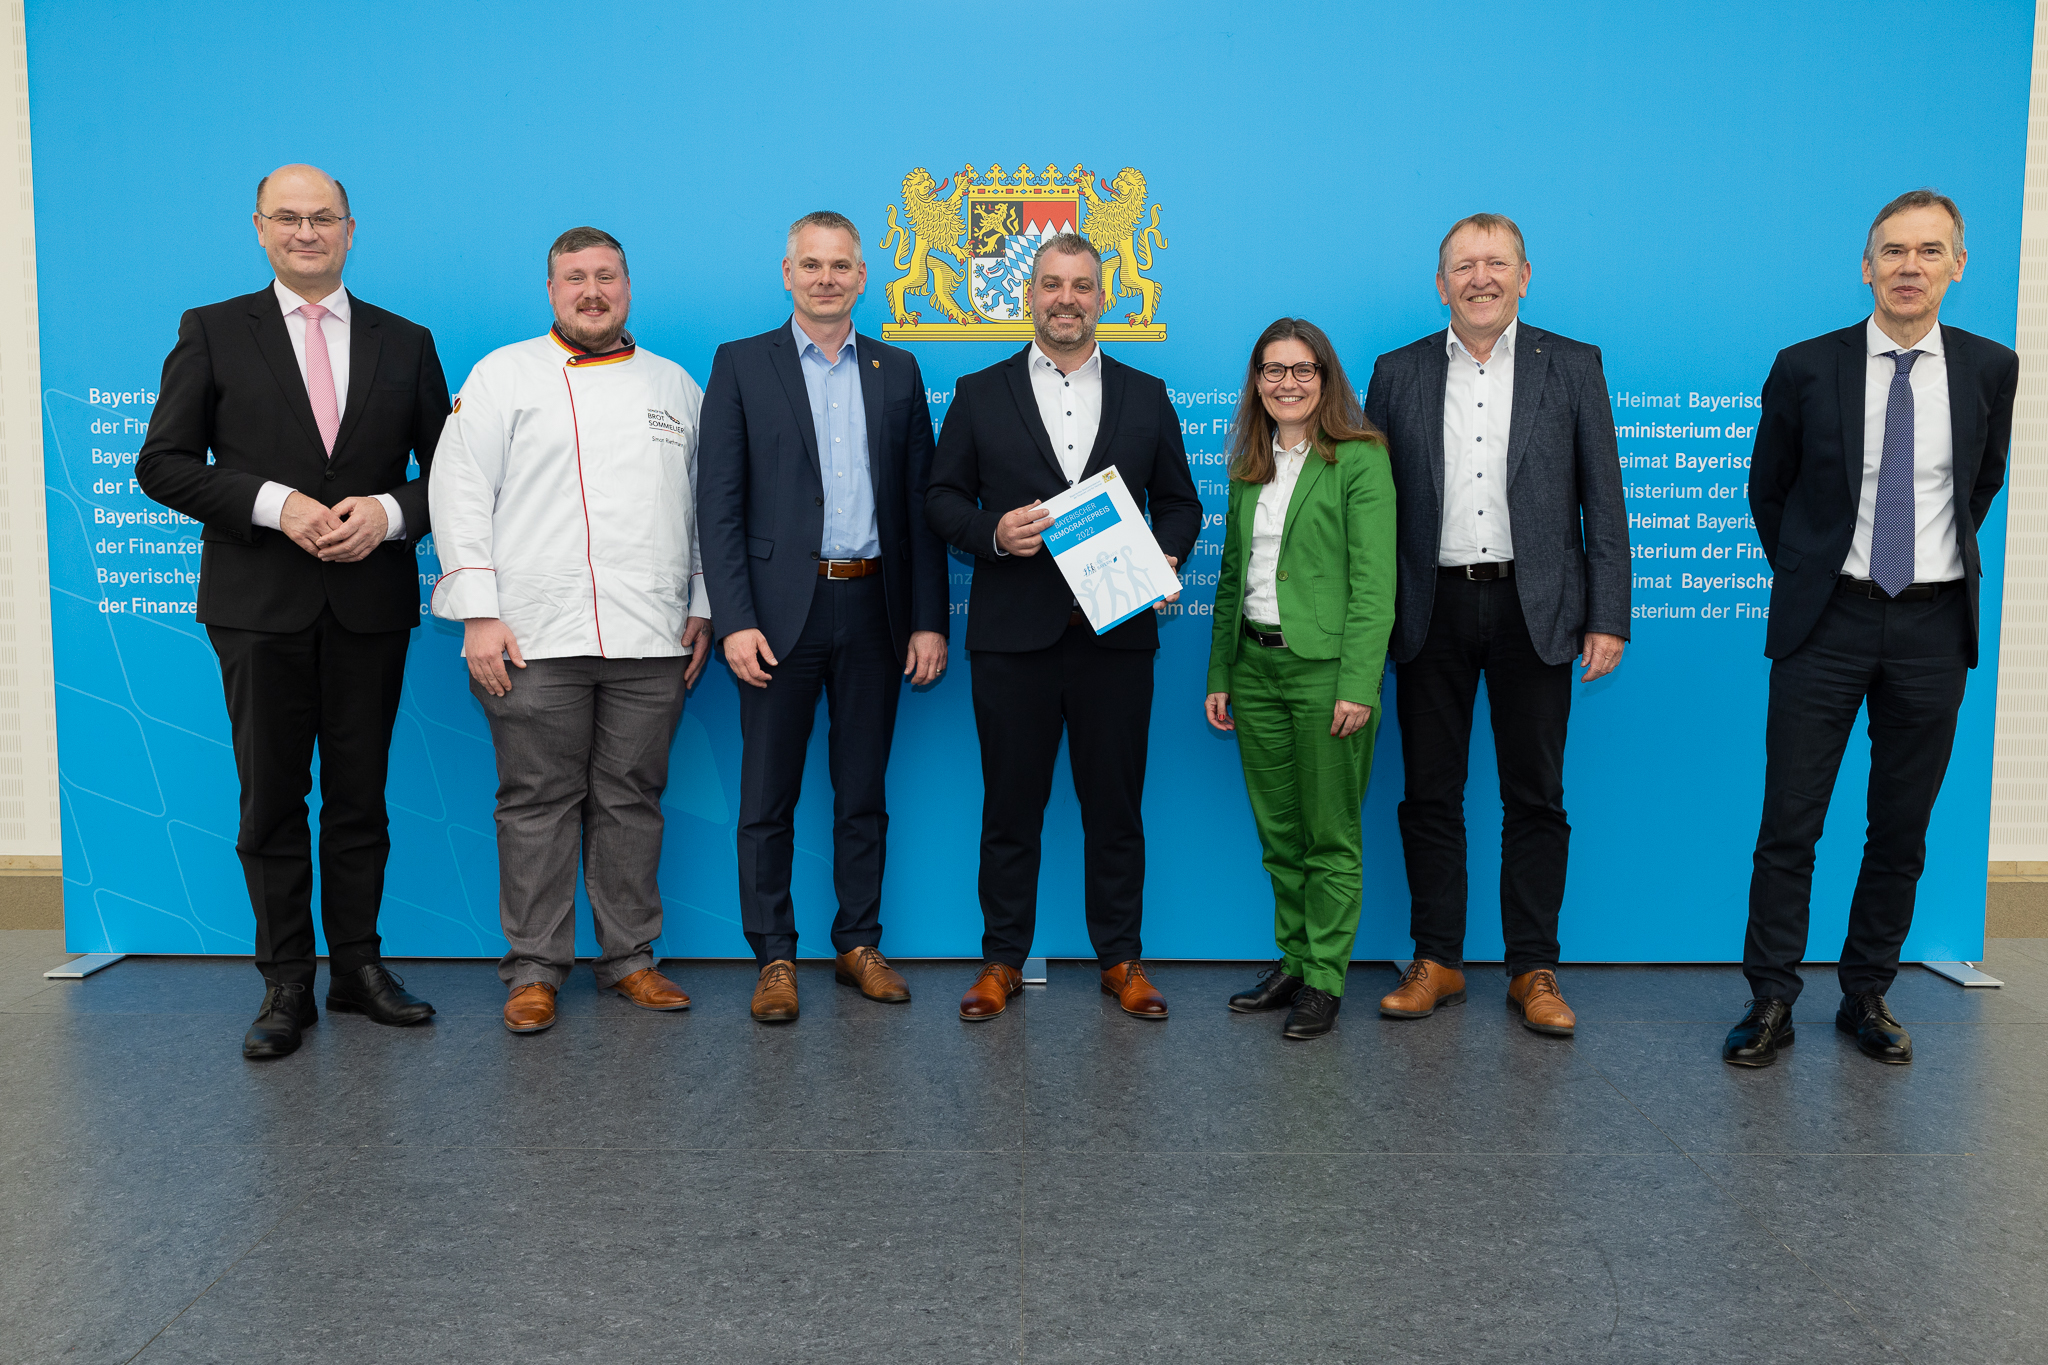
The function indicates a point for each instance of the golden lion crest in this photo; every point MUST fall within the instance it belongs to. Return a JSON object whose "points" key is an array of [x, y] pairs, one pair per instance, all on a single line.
{"points": [[983, 233]]}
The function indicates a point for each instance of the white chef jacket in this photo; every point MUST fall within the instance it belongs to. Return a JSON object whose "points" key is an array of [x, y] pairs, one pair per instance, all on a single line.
{"points": [[564, 501]]}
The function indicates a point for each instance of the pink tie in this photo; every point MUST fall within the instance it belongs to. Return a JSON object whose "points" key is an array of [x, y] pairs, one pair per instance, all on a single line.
{"points": [[320, 376]]}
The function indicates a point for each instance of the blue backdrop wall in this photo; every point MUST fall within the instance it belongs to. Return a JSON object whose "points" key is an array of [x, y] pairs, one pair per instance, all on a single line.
{"points": [[1694, 183]]}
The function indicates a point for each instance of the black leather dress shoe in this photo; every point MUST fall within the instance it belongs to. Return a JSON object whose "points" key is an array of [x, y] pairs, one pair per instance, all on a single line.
{"points": [[376, 992], [286, 1012], [1313, 1015], [1756, 1040], [1866, 1018], [1275, 988]]}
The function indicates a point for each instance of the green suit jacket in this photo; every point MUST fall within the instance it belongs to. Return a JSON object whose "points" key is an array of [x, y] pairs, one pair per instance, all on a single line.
{"points": [[1335, 575]]}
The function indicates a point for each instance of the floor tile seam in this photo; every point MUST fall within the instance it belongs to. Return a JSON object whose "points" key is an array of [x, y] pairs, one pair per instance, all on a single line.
{"points": [[1482, 1155], [371, 1148], [227, 1270]]}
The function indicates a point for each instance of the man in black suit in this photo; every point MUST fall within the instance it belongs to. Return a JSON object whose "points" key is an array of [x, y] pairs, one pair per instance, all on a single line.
{"points": [[1019, 432], [815, 448], [310, 402], [1512, 558], [1878, 452]]}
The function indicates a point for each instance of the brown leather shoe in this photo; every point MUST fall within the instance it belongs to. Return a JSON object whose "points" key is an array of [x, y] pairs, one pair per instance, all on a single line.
{"points": [[1425, 986], [650, 990], [990, 994], [1543, 1009], [775, 993], [530, 1008], [868, 971], [1133, 990]]}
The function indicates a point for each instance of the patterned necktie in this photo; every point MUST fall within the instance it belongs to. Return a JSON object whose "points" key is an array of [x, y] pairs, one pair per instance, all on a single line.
{"points": [[320, 377], [1891, 530]]}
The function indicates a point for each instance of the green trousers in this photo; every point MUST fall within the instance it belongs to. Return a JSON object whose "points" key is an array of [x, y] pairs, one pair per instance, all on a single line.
{"points": [[1306, 789]]}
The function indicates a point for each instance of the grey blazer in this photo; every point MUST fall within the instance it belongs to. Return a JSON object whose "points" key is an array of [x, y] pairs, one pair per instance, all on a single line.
{"points": [[1564, 489]]}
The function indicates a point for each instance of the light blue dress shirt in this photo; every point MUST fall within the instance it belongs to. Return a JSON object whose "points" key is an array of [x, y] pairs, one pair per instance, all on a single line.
{"points": [[839, 415]]}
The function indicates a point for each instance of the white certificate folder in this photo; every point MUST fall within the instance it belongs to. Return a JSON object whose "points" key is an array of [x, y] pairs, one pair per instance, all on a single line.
{"points": [[1105, 549]]}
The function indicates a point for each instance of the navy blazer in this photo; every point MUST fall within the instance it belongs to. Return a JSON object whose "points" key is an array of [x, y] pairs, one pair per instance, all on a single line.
{"points": [[1806, 472], [995, 456], [761, 497], [1565, 509], [232, 386]]}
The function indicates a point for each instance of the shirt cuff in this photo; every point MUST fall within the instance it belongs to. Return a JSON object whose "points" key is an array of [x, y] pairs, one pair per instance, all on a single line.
{"points": [[395, 517], [997, 545], [269, 509]]}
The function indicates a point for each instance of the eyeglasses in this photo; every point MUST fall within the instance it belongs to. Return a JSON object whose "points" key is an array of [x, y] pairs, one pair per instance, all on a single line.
{"points": [[1304, 372], [321, 222]]}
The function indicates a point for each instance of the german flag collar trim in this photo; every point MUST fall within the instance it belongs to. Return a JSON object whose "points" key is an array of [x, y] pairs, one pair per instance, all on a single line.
{"points": [[579, 357]]}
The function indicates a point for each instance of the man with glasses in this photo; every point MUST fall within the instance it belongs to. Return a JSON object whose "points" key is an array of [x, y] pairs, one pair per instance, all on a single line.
{"points": [[310, 402], [1512, 558]]}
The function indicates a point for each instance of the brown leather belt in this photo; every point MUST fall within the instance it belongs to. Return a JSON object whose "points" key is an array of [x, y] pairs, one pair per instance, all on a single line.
{"points": [[1271, 639], [1912, 592], [848, 568], [1479, 573]]}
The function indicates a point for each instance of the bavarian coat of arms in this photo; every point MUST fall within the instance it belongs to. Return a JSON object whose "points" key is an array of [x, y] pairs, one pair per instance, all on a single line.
{"points": [[983, 234]]}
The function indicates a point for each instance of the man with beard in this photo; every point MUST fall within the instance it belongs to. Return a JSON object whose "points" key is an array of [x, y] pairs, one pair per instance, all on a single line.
{"points": [[565, 518], [1017, 433]]}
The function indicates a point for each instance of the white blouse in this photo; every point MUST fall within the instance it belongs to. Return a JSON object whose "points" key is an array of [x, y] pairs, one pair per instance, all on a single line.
{"points": [[1269, 519]]}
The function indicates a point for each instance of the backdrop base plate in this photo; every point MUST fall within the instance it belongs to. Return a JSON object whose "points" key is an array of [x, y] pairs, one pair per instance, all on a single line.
{"points": [[1034, 971], [1962, 973], [79, 968]]}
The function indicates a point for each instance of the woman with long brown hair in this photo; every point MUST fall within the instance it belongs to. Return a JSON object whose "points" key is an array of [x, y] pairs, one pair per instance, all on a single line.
{"points": [[1304, 604]]}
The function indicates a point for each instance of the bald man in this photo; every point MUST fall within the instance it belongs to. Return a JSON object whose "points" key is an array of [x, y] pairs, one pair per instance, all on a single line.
{"points": [[311, 403]]}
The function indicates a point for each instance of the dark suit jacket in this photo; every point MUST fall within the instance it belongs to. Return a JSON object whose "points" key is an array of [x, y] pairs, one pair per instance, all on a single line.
{"points": [[1565, 509], [761, 497], [995, 456], [1806, 472], [231, 385]]}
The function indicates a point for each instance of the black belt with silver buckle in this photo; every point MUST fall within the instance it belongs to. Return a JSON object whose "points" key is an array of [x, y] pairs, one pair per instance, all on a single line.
{"points": [[1480, 573], [1271, 639], [1912, 592]]}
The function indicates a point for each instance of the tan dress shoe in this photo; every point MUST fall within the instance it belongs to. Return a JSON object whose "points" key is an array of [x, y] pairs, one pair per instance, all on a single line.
{"points": [[530, 1008], [990, 994], [775, 993], [650, 990], [1535, 994], [1133, 990], [1425, 986], [868, 971]]}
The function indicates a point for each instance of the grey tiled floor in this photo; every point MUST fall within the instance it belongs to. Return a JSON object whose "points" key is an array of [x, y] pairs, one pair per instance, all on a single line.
{"points": [[885, 1183]]}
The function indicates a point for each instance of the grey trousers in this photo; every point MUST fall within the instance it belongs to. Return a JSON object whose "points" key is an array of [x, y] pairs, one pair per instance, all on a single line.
{"points": [[582, 749]]}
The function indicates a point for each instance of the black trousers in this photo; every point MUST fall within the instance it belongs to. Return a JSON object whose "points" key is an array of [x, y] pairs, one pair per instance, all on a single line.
{"points": [[846, 650], [1477, 630], [1908, 662], [1103, 698], [287, 692]]}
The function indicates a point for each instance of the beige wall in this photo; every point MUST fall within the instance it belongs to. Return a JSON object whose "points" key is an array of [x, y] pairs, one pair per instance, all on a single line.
{"points": [[2019, 785], [28, 726]]}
